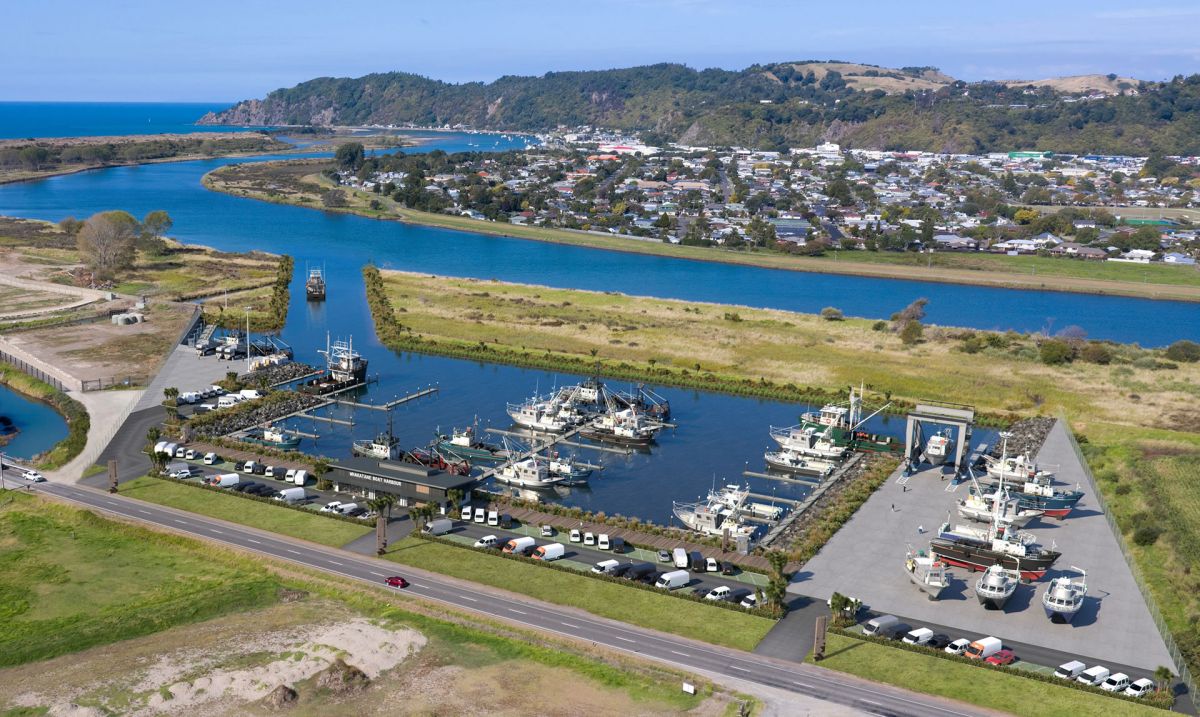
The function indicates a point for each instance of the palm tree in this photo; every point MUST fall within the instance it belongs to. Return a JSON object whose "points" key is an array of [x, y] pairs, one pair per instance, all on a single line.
{"points": [[1163, 676], [454, 496], [421, 515], [171, 396], [156, 459], [776, 591], [382, 505]]}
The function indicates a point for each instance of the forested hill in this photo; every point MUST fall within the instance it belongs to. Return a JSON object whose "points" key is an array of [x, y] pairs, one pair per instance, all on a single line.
{"points": [[770, 106]]}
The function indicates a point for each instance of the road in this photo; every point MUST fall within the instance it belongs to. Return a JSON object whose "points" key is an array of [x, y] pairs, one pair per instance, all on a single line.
{"points": [[674, 651]]}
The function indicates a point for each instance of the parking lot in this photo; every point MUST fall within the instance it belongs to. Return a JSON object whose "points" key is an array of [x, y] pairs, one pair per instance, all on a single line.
{"points": [[865, 559]]}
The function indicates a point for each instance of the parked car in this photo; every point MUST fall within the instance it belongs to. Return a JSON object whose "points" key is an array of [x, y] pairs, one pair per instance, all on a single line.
{"points": [[664, 556], [269, 472], [1140, 688], [728, 568], [1094, 675], [919, 636], [331, 507], [958, 646], [258, 469], [1116, 683], [1004, 657], [606, 566], [673, 579], [720, 592], [290, 476], [487, 541], [180, 452], [480, 515], [878, 626], [396, 581], [712, 565], [210, 459], [185, 472], [441, 526], [547, 531], [1070, 670], [466, 513], [506, 520], [984, 648], [192, 454], [617, 545], [493, 518], [749, 602], [589, 539], [602, 541], [576, 536], [938, 641]]}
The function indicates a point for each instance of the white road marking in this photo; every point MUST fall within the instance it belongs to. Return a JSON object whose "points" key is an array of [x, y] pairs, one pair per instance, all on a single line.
{"points": [[681, 654], [741, 669], [626, 639], [464, 597], [294, 552], [568, 625], [252, 540], [517, 611]]}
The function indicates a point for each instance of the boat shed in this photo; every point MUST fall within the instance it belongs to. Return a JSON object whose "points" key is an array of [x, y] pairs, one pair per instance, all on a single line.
{"points": [[961, 418], [411, 484]]}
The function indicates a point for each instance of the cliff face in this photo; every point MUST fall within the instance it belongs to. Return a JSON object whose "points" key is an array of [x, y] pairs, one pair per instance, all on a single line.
{"points": [[765, 106]]}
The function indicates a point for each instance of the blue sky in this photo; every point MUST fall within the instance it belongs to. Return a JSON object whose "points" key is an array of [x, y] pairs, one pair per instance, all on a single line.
{"points": [[224, 50]]}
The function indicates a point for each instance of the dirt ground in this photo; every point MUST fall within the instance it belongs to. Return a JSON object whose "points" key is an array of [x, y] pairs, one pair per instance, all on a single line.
{"points": [[226, 666]]}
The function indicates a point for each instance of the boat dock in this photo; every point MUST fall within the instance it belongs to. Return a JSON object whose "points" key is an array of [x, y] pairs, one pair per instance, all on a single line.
{"points": [[811, 480], [561, 438], [427, 391], [804, 505]]}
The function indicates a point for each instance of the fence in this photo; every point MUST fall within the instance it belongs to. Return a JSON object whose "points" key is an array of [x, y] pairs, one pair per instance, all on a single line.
{"points": [[1181, 668], [32, 370]]}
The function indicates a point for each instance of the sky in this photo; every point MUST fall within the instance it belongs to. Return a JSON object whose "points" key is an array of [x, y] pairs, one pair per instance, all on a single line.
{"points": [[227, 50]]}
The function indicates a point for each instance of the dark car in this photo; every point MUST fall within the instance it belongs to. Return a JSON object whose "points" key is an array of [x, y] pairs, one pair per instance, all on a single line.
{"points": [[357, 512], [938, 641], [664, 556], [728, 568], [620, 570], [650, 578], [396, 581], [244, 487], [700, 591], [506, 521], [261, 489], [259, 469], [529, 550]]}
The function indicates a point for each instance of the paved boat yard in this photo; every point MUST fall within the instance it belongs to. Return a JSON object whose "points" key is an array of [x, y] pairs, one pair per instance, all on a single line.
{"points": [[865, 559], [186, 370]]}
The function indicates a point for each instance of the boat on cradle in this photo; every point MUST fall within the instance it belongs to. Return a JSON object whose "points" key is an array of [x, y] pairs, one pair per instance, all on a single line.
{"points": [[842, 424], [980, 506], [531, 472], [314, 287], [999, 544], [793, 462], [721, 511], [466, 443], [996, 586], [1015, 468], [926, 572], [1064, 596], [808, 442], [273, 437], [565, 467], [344, 368], [621, 426], [939, 446]]}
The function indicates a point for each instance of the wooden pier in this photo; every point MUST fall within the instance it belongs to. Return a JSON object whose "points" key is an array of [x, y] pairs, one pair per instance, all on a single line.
{"points": [[775, 499], [429, 390], [791, 478]]}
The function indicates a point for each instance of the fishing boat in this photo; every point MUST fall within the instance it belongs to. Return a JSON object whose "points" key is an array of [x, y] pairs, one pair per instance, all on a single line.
{"points": [[645, 401], [314, 288], [793, 462], [567, 468], [532, 472], [721, 511], [926, 572], [842, 424], [1015, 468], [980, 506], [344, 368], [272, 437], [539, 414], [996, 586], [466, 443], [1042, 495], [809, 442], [433, 459], [384, 446], [1064, 596], [627, 427], [998, 544], [939, 446]]}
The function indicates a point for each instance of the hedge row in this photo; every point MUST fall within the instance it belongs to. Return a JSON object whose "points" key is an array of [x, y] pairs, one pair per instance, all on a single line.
{"points": [[833, 516], [552, 565], [1150, 701], [72, 411], [277, 308], [392, 333], [262, 499]]}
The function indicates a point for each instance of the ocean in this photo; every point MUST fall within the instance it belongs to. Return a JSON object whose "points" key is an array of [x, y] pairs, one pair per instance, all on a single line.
{"points": [[20, 120]]}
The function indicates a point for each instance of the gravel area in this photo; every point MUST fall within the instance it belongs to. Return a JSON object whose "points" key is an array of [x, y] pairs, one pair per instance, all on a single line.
{"points": [[1028, 436]]}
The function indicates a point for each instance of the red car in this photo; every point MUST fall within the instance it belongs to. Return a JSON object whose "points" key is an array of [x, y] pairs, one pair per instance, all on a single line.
{"points": [[1001, 657], [396, 581]]}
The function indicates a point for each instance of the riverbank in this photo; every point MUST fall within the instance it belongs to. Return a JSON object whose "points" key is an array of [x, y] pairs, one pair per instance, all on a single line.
{"points": [[72, 412], [298, 183]]}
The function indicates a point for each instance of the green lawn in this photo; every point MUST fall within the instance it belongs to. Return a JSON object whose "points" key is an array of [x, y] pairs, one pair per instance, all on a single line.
{"points": [[612, 600], [987, 688], [277, 519], [70, 580]]}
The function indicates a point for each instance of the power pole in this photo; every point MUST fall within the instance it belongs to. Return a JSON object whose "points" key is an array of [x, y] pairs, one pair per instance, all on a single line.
{"points": [[112, 475], [819, 638]]}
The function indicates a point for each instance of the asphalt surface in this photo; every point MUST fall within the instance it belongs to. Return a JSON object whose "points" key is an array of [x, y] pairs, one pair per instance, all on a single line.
{"points": [[675, 651]]}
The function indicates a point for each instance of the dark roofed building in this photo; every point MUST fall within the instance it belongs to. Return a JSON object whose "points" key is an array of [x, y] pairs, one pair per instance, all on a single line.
{"points": [[410, 483]]}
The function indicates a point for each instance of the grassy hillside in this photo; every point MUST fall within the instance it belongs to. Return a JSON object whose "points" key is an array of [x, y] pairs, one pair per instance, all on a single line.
{"points": [[772, 105]]}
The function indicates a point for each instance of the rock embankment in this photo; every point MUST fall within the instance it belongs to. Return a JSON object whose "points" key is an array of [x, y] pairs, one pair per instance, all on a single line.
{"points": [[1026, 436], [224, 421]]}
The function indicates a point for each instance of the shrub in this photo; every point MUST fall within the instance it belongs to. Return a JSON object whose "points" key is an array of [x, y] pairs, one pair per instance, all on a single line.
{"points": [[879, 326], [972, 345], [1096, 353], [830, 313], [1056, 351], [1185, 351], [1146, 535], [912, 333]]}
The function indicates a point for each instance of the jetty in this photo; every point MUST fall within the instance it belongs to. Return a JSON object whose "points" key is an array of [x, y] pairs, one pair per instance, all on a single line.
{"points": [[808, 502]]}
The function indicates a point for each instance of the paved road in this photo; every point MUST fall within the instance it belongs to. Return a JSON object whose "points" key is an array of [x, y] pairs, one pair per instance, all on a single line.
{"points": [[675, 651]]}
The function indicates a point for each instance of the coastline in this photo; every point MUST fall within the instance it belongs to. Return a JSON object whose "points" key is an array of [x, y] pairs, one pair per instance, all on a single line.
{"points": [[994, 279]]}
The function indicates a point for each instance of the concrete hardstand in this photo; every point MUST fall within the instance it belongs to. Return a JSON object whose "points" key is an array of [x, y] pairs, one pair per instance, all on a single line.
{"points": [[865, 559]]}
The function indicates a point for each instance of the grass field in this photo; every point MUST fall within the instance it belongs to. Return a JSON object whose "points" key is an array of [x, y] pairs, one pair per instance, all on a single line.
{"points": [[987, 688], [71, 580], [277, 519], [298, 182], [611, 600]]}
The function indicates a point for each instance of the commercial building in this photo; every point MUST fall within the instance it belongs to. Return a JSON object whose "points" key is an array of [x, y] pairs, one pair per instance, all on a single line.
{"points": [[411, 484]]}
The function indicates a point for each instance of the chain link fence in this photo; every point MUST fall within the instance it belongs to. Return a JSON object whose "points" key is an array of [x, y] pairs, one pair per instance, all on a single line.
{"points": [[32, 370]]}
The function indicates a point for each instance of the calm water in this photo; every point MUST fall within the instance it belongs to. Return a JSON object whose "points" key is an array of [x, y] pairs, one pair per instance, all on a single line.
{"points": [[90, 119], [40, 426], [344, 243]]}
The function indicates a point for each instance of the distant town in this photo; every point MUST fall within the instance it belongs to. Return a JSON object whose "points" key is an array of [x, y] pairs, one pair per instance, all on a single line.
{"points": [[814, 200]]}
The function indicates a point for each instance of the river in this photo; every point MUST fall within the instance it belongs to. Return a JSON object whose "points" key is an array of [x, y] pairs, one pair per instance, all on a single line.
{"points": [[39, 426]]}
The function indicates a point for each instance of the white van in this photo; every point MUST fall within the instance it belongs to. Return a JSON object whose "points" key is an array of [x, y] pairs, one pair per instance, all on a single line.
{"points": [[189, 397], [1140, 688], [549, 551], [576, 536], [984, 648], [487, 541], [345, 508], [920, 636], [290, 495], [720, 592], [673, 579], [518, 545], [210, 459], [605, 566], [181, 452], [161, 447], [881, 626], [1093, 675], [602, 541], [229, 400], [438, 527], [480, 515], [300, 477], [712, 565], [1070, 670], [493, 518], [191, 454], [679, 556], [228, 480], [589, 539], [272, 472], [466, 513], [250, 393], [1115, 683]]}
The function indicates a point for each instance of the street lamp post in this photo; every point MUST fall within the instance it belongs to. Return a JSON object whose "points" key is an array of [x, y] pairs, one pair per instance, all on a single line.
{"points": [[247, 339]]}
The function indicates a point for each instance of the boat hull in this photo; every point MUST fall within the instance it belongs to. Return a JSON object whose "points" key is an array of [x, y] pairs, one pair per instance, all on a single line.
{"points": [[994, 602], [607, 437], [1060, 615], [978, 558], [471, 451], [289, 445]]}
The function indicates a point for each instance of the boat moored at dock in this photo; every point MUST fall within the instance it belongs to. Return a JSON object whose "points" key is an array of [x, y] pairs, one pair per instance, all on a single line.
{"points": [[466, 443], [344, 368], [272, 437], [721, 511]]}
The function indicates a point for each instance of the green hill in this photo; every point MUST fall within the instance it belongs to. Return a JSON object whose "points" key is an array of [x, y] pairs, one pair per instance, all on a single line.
{"points": [[768, 106]]}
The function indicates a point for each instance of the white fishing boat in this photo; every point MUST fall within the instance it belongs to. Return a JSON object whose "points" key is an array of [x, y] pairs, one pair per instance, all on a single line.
{"points": [[939, 446], [384, 446], [566, 467], [532, 472], [625, 426], [539, 414], [980, 506], [996, 586], [721, 511], [808, 441], [793, 462], [1064, 596], [926, 572]]}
